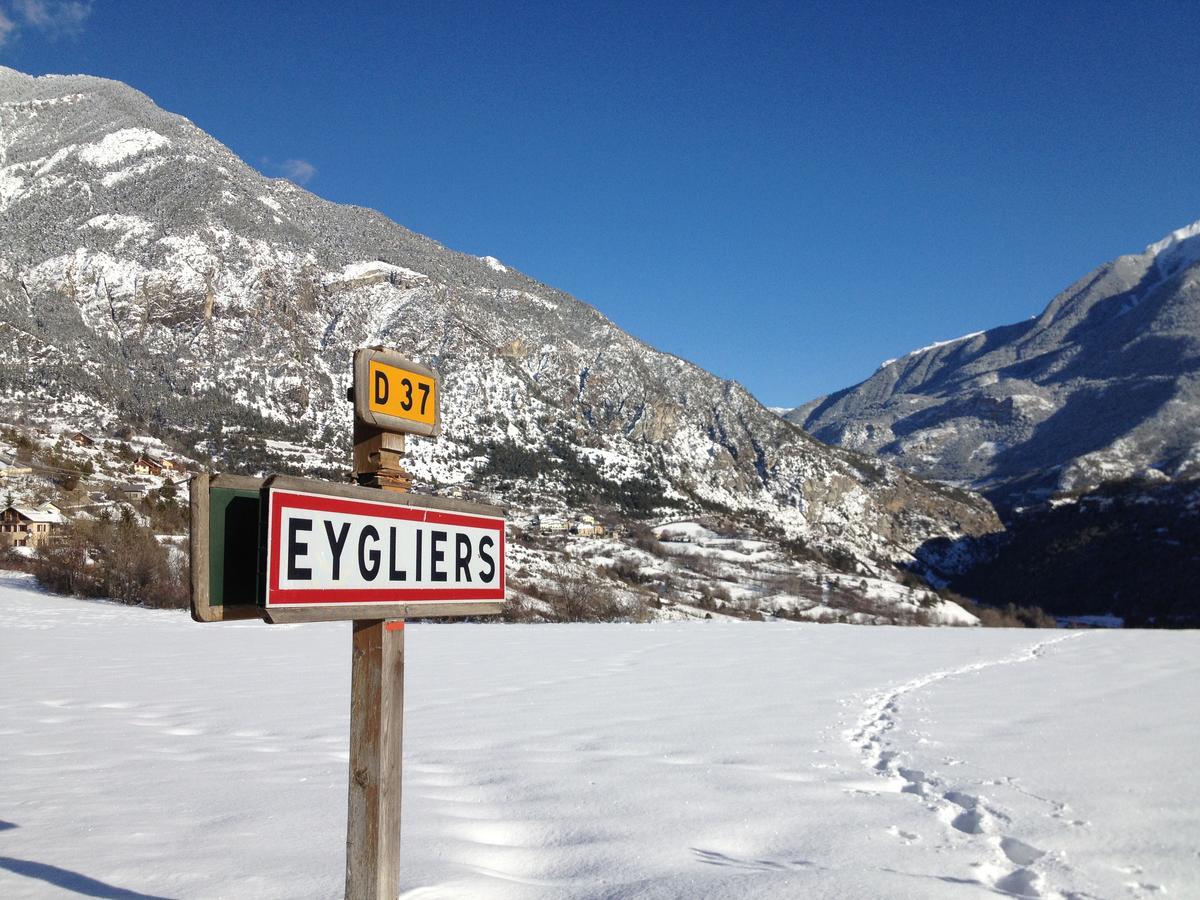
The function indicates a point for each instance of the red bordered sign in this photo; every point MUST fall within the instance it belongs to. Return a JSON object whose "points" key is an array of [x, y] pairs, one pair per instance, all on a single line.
{"points": [[327, 550]]}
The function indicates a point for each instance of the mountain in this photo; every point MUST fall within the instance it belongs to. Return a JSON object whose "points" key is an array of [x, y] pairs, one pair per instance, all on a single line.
{"points": [[1104, 385], [148, 277]]}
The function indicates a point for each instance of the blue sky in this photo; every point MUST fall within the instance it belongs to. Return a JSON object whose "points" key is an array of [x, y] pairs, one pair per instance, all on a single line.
{"points": [[783, 193]]}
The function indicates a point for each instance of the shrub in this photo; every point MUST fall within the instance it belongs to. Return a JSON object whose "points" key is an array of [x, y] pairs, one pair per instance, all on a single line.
{"points": [[579, 599], [1008, 616], [121, 561]]}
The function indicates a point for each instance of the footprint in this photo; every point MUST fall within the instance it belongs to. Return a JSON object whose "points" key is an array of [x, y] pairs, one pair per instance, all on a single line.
{"points": [[1021, 883], [958, 798], [971, 821], [908, 837], [1019, 853]]}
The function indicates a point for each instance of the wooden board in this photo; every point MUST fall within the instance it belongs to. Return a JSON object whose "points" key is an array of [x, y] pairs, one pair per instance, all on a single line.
{"points": [[316, 539], [224, 511], [428, 610]]}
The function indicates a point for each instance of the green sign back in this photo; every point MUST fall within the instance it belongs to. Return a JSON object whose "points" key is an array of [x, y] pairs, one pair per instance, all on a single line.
{"points": [[233, 539]]}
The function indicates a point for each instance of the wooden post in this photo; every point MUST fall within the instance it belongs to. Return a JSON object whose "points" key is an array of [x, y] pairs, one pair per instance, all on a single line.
{"points": [[377, 457], [376, 741], [376, 709]]}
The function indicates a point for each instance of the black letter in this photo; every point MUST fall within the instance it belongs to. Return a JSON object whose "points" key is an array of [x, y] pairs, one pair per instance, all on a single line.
{"points": [[368, 573], [436, 556], [462, 557], [420, 533], [296, 548], [393, 573], [486, 541], [336, 545], [381, 387]]}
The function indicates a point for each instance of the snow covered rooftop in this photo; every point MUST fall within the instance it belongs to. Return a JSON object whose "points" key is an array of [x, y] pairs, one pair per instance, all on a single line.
{"points": [[45, 516]]}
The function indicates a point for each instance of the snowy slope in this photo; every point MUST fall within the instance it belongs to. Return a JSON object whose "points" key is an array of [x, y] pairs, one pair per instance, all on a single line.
{"points": [[150, 277], [147, 756], [1104, 384]]}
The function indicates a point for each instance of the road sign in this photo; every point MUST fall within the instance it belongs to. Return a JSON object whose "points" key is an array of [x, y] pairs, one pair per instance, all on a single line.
{"points": [[344, 552], [393, 393], [339, 552], [296, 550], [224, 547]]}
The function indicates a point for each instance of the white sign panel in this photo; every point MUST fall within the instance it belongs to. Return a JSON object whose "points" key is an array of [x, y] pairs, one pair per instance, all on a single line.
{"points": [[327, 550]]}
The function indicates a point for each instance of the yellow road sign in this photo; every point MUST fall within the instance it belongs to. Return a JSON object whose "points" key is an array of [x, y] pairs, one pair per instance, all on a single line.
{"points": [[401, 393], [394, 393]]}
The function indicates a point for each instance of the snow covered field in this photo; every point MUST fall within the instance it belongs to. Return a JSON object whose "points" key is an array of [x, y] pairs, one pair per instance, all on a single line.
{"points": [[143, 755]]}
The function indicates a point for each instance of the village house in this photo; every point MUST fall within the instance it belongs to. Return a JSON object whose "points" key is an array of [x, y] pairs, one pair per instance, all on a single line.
{"points": [[549, 524], [130, 491], [587, 526], [80, 439], [27, 527], [147, 465]]}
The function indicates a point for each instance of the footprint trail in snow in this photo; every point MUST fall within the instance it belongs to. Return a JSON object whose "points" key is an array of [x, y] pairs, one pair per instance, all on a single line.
{"points": [[1007, 864]]}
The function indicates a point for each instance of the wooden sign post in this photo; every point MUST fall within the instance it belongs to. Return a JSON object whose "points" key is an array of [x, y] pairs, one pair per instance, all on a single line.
{"points": [[377, 666], [290, 549], [376, 759]]}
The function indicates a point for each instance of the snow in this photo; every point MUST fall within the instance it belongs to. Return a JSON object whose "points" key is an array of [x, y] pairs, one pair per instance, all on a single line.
{"points": [[935, 345], [132, 228], [494, 264], [683, 531], [122, 145], [1178, 249], [374, 269], [134, 171], [11, 186], [146, 755]]}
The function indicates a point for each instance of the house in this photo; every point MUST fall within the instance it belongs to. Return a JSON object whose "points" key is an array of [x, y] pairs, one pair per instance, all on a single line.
{"points": [[130, 491], [147, 465], [29, 527], [80, 439], [549, 524], [587, 529]]}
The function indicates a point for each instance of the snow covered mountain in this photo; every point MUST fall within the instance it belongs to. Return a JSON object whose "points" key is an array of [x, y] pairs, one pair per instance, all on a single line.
{"points": [[1103, 385], [148, 276]]}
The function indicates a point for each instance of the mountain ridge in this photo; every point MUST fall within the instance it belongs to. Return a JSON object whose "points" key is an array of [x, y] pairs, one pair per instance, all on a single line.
{"points": [[1103, 384], [149, 275]]}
